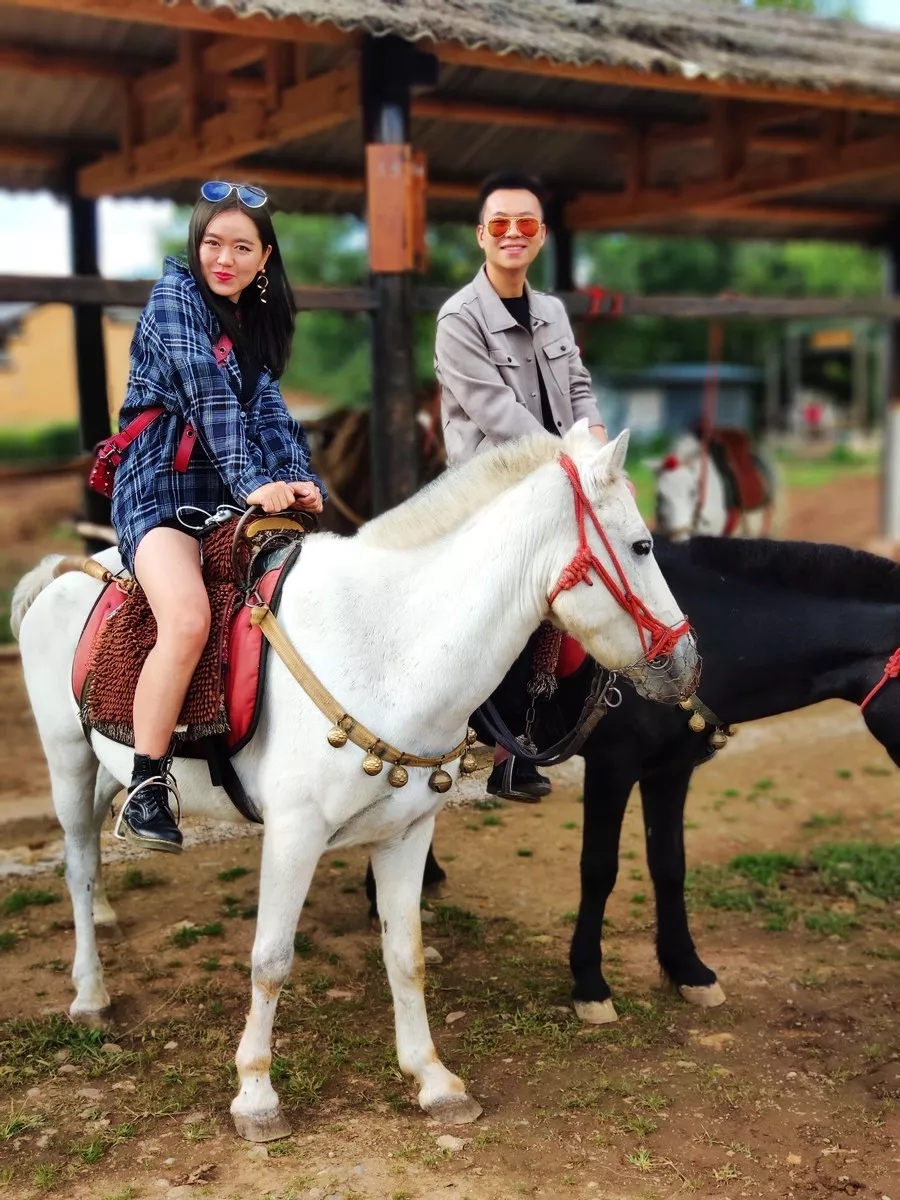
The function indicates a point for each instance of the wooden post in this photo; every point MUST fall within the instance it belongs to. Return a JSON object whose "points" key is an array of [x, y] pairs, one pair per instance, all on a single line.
{"points": [[90, 355], [890, 512], [390, 67], [562, 249]]}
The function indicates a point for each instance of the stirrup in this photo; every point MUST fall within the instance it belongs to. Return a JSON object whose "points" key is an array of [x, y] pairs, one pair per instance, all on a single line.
{"points": [[168, 782]]}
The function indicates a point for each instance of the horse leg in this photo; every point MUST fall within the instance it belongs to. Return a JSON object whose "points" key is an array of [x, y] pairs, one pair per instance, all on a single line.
{"points": [[433, 875], [663, 795], [289, 860], [399, 867], [106, 922], [607, 786], [71, 779]]}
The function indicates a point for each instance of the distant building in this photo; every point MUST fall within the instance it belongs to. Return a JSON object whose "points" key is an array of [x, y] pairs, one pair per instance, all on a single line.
{"points": [[668, 398]]}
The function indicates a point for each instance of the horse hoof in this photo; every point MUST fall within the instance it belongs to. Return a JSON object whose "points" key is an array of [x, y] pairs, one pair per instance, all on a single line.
{"points": [[710, 996], [596, 1012], [269, 1127], [91, 1018], [111, 932], [455, 1110]]}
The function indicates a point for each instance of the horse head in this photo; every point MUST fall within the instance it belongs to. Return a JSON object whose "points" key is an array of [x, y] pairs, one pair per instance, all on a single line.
{"points": [[686, 502], [606, 588]]}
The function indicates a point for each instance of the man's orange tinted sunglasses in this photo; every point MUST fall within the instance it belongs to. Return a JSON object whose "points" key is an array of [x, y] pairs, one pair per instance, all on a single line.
{"points": [[499, 227]]}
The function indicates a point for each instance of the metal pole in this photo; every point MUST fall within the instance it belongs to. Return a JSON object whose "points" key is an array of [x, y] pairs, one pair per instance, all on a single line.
{"points": [[890, 498], [90, 355]]}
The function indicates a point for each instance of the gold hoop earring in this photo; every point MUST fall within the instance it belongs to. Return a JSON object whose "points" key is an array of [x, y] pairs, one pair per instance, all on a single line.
{"points": [[262, 282]]}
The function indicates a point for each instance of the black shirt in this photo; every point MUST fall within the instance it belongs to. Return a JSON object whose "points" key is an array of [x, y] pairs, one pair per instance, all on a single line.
{"points": [[517, 307], [250, 372]]}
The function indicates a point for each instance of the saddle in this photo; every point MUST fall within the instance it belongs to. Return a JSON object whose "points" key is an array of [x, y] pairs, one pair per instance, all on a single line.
{"points": [[747, 484], [247, 559]]}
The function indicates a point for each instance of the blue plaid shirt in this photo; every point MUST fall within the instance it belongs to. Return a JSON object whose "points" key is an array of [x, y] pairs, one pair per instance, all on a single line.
{"points": [[237, 449]]}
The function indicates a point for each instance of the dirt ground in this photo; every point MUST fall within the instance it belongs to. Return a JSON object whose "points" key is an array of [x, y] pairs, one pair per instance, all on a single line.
{"points": [[787, 1091]]}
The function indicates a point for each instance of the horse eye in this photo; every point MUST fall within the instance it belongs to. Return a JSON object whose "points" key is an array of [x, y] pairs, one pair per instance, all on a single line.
{"points": [[642, 547]]}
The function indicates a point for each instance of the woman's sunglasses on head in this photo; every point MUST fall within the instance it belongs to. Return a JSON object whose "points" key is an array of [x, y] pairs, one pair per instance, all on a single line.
{"points": [[217, 189], [499, 227]]}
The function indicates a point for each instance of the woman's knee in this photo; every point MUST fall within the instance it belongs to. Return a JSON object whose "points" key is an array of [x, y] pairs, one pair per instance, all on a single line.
{"points": [[185, 626]]}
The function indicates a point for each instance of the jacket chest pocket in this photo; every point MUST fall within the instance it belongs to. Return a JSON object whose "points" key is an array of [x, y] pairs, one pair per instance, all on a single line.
{"points": [[502, 358], [557, 356]]}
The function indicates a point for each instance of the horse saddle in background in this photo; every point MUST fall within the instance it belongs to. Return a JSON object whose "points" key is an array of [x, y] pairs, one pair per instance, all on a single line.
{"points": [[747, 483], [221, 710]]}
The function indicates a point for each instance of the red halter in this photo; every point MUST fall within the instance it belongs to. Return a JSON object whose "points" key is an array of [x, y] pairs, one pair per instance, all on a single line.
{"points": [[657, 639], [891, 671]]}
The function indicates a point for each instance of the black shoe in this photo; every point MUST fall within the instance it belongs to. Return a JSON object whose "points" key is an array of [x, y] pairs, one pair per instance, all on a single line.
{"points": [[146, 818], [528, 784]]}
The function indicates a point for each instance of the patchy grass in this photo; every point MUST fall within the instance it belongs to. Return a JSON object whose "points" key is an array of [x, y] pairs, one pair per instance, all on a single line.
{"points": [[7, 940], [24, 898], [19, 1122], [869, 865], [765, 869], [189, 935], [232, 874], [822, 821], [135, 879]]}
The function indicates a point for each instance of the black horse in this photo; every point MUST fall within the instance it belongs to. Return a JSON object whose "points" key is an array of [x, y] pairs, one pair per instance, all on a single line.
{"points": [[781, 625]]}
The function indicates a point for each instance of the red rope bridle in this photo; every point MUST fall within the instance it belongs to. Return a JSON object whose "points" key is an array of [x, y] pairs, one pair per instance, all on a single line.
{"points": [[657, 639], [891, 671]]}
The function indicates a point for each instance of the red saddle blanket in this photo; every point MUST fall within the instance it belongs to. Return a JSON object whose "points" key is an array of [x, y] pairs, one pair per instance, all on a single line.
{"points": [[224, 695], [746, 481]]}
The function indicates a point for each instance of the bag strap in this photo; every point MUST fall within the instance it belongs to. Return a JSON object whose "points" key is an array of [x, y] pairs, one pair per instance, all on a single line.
{"points": [[135, 428]]}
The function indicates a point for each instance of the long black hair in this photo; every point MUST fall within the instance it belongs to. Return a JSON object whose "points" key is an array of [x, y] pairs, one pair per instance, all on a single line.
{"points": [[264, 331]]}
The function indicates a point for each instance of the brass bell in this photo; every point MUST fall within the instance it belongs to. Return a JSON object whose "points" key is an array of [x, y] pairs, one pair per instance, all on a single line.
{"points": [[399, 776], [687, 705], [471, 736], [468, 763], [372, 764], [730, 730], [337, 737], [440, 781], [718, 740], [696, 723]]}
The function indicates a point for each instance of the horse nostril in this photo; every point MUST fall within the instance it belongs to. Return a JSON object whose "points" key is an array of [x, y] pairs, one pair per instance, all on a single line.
{"points": [[643, 547]]}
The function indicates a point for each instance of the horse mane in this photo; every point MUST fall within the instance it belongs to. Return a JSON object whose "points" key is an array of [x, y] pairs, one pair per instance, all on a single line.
{"points": [[812, 568], [445, 503]]}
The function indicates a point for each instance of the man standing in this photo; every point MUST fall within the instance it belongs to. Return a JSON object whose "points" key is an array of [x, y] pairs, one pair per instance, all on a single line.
{"points": [[507, 362]]}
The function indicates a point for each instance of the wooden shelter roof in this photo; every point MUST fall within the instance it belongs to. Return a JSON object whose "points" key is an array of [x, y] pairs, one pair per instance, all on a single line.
{"points": [[674, 116]]}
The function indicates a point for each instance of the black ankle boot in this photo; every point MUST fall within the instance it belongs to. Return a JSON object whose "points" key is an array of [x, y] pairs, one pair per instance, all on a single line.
{"points": [[146, 818], [528, 785]]}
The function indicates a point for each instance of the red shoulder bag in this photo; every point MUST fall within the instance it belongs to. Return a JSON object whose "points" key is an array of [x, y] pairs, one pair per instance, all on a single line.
{"points": [[108, 453]]}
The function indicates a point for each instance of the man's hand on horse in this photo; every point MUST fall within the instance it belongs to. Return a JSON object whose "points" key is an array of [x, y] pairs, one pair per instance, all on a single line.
{"points": [[307, 497], [274, 497]]}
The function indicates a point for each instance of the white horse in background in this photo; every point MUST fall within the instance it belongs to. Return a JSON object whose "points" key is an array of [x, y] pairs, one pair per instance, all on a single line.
{"points": [[411, 624], [692, 497]]}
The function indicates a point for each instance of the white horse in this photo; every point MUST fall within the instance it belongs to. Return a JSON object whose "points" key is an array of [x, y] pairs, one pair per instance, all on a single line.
{"points": [[411, 623], [680, 484]]}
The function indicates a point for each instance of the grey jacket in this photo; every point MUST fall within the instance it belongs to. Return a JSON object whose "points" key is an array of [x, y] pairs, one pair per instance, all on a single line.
{"points": [[487, 365]]}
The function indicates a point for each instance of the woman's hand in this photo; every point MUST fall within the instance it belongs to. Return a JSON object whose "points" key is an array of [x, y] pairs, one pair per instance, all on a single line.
{"points": [[307, 497], [275, 497]]}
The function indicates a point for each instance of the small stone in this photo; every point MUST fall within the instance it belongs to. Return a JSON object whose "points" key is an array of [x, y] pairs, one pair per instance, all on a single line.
{"points": [[42, 1141], [111, 1048], [67, 1069], [448, 1142], [793, 1160], [340, 994], [162, 1184], [62, 1056], [90, 1094], [360, 1170], [432, 956], [177, 1193], [542, 939], [170, 1046], [124, 1086], [715, 1041], [452, 1018], [791, 1075], [315, 1193], [193, 1118], [331, 1154], [686, 1065], [168, 1162], [428, 917], [259, 1152], [33, 1093]]}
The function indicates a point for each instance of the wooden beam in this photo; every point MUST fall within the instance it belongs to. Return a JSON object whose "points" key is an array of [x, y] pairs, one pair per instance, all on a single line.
{"points": [[315, 181], [53, 64], [310, 107], [852, 163], [446, 109], [600, 73], [762, 215], [186, 15], [29, 153]]}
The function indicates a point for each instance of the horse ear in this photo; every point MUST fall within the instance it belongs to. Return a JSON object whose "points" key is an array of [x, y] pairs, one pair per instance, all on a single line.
{"points": [[619, 451]]}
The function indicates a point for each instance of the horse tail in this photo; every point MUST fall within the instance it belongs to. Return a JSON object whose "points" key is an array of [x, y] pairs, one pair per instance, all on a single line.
{"points": [[29, 588]]}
